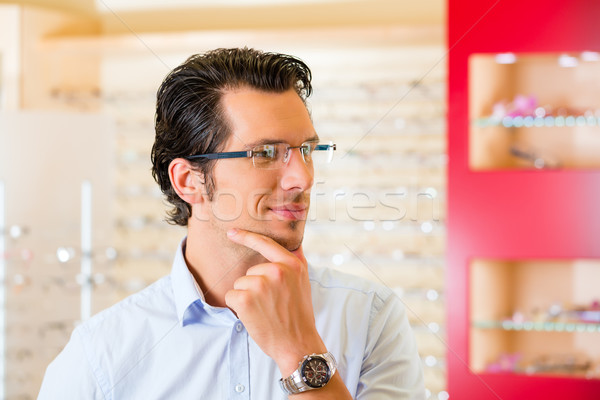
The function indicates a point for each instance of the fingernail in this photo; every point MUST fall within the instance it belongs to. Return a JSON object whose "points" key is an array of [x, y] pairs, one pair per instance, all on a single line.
{"points": [[232, 232]]}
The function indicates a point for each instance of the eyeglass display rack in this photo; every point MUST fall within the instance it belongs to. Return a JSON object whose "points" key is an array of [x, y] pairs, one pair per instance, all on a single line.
{"points": [[523, 195], [520, 121]]}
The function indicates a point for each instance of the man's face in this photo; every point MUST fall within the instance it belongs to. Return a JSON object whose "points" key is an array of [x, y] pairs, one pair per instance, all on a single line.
{"points": [[273, 202]]}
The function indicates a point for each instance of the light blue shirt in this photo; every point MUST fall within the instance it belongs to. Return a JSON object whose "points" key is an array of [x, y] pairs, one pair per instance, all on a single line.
{"points": [[166, 342]]}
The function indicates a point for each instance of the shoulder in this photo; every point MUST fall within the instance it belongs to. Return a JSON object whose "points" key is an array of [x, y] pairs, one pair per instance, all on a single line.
{"points": [[154, 300], [109, 342]]}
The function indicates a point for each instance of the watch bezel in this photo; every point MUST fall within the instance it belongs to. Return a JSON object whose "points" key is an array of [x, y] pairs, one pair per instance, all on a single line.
{"points": [[306, 380]]}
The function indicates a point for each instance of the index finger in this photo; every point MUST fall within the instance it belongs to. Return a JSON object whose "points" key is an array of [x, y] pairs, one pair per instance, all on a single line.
{"points": [[264, 245], [300, 254]]}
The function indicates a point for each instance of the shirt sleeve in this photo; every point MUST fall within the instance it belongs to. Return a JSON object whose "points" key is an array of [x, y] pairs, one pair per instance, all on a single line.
{"points": [[70, 375], [391, 367]]}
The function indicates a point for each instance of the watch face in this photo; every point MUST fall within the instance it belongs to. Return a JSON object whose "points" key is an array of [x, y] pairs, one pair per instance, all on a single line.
{"points": [[315, 371]]}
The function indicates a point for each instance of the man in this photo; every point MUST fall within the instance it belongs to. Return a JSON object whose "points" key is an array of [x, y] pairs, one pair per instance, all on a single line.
{"points": [[242, 315]]}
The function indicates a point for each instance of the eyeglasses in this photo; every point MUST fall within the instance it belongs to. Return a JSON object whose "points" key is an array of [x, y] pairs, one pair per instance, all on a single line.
{"points": [[276, 155]]}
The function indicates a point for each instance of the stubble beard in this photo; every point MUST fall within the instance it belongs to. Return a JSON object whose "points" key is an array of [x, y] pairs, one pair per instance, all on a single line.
{"points": [[290, 244], [293, 234], [291, 240]]}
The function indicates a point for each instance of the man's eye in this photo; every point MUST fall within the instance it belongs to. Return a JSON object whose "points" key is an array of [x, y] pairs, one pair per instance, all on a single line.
{"points": [[307, 152], [265, 152]]}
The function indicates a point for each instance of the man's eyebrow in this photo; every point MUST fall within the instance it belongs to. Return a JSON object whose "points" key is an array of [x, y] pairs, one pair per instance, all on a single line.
{"points": [[273, 141]]}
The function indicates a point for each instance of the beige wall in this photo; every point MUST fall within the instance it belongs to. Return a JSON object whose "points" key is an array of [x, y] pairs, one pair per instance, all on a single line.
{"points": [[165, 15]]}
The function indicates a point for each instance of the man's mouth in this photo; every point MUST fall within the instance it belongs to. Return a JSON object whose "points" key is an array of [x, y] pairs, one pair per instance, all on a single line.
{"points": [[291, 212]]}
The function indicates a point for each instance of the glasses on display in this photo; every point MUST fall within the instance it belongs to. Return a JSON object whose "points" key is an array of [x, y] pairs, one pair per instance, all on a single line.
{"points": [[276, 155]]}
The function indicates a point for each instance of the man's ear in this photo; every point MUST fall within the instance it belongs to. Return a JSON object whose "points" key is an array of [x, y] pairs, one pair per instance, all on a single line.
{"points": [[188, 183]]}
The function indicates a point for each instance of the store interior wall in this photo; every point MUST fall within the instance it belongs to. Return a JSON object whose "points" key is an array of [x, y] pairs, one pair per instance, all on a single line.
{"points": [[379, 78]]}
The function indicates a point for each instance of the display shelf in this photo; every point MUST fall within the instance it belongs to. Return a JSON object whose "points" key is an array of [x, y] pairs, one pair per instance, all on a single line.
{"points": [[508, 325], [515, 113], [538, 122], [528, 352], [527, 314]]}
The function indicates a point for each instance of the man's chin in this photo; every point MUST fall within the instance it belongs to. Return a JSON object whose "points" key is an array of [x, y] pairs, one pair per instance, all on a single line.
{"points": [[288, 234], [288, 241], [291, 246]]}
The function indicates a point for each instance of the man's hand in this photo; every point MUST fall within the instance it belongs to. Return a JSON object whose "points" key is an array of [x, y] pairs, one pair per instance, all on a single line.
{"points": [[274, 302]]}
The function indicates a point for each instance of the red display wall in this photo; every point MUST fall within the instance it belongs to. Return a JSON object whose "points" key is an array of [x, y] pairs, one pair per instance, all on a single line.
{"points": [[512, 213]]}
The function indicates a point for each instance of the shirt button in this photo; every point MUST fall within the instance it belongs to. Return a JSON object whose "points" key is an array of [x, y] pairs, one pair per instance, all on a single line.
{"points": [[239, 388], [239, 327]]}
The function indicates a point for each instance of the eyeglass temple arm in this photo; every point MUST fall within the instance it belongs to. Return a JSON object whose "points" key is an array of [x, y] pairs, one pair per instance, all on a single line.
{"points": [[229, 154], [325, 147]]}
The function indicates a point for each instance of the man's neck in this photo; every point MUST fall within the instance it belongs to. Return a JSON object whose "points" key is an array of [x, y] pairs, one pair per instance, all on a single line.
{"points": [[215, 262]]}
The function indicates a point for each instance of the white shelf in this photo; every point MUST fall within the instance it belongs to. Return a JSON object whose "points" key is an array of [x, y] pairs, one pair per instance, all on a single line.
{"points": [[539, 122], [508, 325]]}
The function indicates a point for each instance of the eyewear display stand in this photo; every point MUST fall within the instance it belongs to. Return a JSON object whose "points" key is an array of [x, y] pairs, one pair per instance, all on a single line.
{"points": [[57, 176], [86, 251]]}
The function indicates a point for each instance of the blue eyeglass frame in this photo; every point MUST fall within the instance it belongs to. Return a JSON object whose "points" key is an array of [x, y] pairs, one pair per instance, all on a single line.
{"points": [[249, 153]]}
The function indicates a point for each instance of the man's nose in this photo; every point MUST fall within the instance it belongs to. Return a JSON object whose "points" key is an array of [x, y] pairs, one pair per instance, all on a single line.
{"points": [[296, 174]]}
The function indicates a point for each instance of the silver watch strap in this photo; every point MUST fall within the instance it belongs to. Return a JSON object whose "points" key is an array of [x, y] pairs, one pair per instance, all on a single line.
{"points": [[294, 384]]}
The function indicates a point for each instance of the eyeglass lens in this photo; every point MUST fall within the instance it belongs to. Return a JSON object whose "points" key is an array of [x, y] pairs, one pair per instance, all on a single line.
{"points": [[270, 156]]}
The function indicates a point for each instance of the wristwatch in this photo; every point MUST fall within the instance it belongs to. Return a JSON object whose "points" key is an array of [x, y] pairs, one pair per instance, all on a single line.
{"points": [[314, 372]]}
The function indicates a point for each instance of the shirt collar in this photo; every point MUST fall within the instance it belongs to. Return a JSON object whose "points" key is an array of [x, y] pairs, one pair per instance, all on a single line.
{"points": [[185, 289], [189, 300]]}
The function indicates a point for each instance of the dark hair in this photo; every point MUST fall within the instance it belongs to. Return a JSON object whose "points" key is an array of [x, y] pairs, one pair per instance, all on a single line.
{"points": [[189, 115]]}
